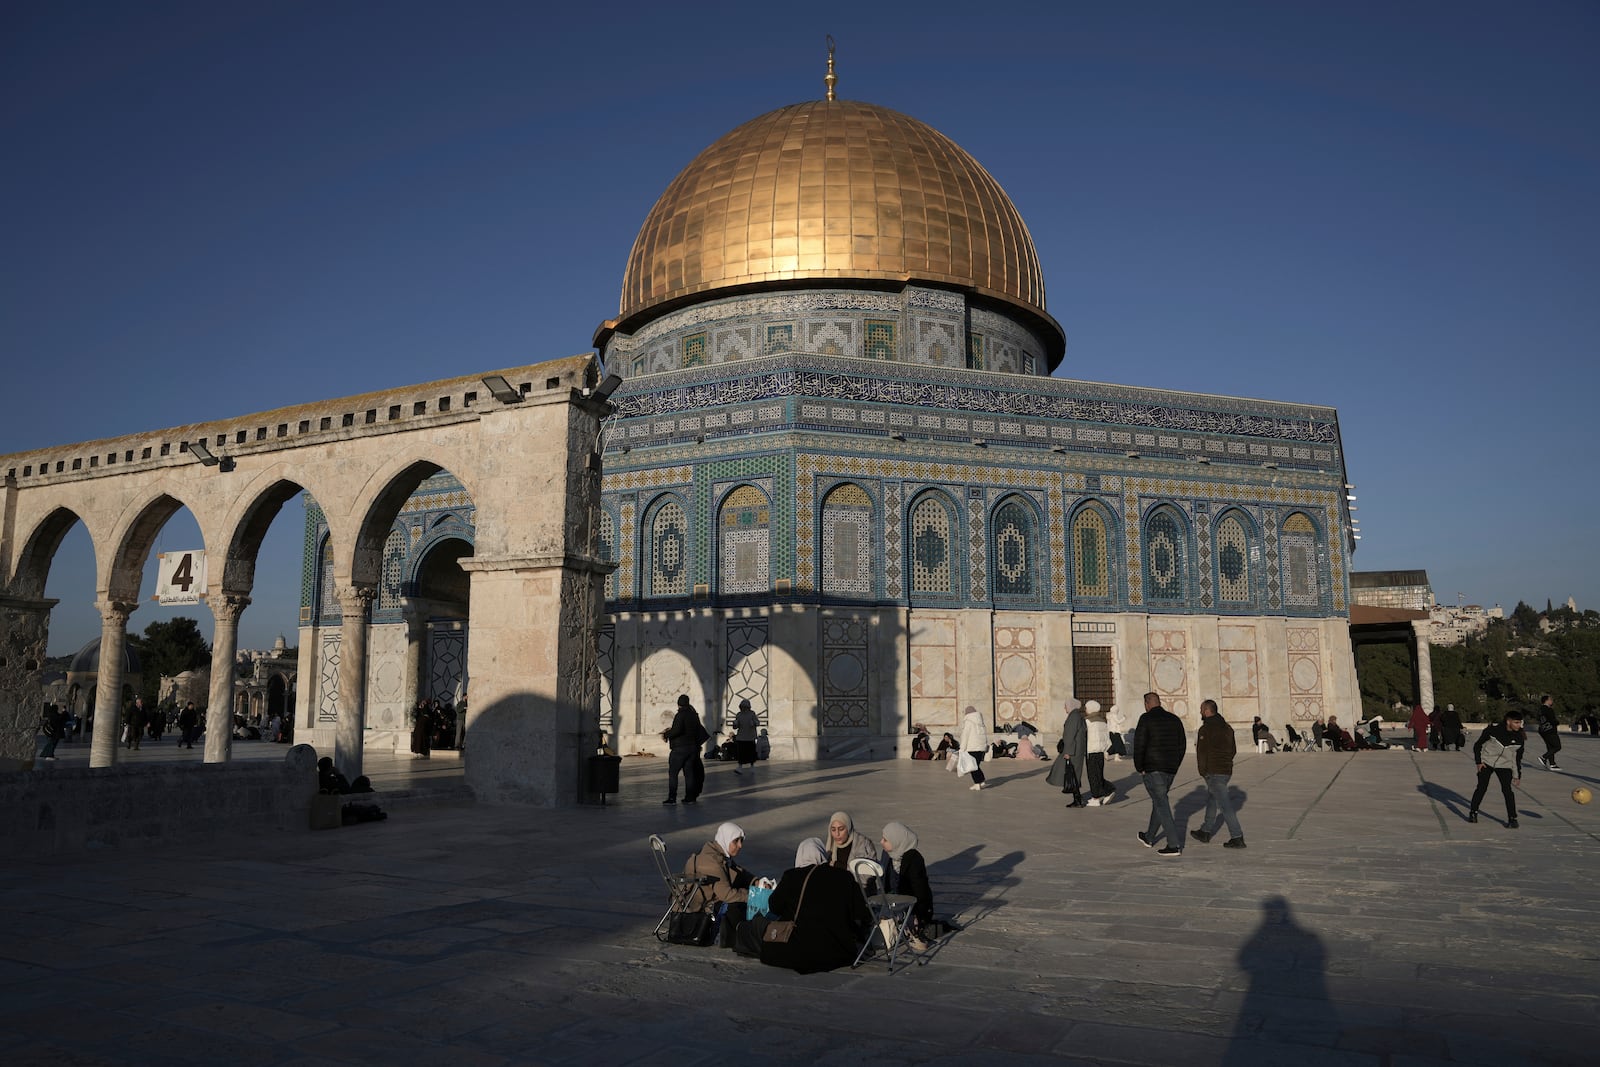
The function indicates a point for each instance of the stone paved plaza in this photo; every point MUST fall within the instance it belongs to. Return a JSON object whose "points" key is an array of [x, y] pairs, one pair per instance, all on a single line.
{"points": [[1366, 923]]}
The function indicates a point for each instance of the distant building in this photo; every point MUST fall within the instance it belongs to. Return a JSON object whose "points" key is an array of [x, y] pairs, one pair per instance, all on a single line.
{"points": [[1392, 589], [1453, 625]]}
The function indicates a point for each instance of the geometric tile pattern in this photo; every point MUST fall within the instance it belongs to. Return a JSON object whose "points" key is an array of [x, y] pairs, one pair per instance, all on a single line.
{"points": [[746, 674], [1090, 573], [743, 529], [447, 660], [669, 546], [930, 546], [1016, 675], [1169, 668], [1233, 561], [1305, 673], [976, 586], [608, 703], [934, 659], [1014, 540], [843, 672], [1236, 648], [1164, 556], [893, 554], [328, 678], [626, 559], [1298, 548], [847, 541]]}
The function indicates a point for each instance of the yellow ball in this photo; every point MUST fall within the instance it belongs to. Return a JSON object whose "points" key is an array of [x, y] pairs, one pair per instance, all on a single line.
{"points": [[1582, 795]]}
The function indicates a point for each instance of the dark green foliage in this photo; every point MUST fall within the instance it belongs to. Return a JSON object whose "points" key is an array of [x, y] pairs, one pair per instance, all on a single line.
{"points": [[1515, 663], [170, 648]]}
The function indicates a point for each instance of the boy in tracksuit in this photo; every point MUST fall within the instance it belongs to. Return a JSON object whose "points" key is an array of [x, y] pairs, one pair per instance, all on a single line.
{"points": [[1498, 752]]}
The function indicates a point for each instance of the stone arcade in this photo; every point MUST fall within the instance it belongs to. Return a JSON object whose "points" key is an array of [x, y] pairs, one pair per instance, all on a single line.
{"points": [[525, 461]]}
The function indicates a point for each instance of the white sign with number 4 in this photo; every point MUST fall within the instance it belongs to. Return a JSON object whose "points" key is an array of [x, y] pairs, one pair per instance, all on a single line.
{"points": [[180, 577]]}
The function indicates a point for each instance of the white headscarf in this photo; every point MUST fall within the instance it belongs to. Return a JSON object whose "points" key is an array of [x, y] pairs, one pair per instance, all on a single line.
{"points": [[727, 834], [901, 840], [849, 832], [810, 853]]}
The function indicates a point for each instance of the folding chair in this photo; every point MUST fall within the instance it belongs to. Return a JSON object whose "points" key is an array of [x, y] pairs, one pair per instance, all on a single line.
{"points": [[683, 892], [1298, 742], [893, 907]]}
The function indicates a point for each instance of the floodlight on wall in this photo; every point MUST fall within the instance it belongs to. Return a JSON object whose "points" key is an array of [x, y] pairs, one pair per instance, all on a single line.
{"points": [[1131, 454], [1269, 465], [502, 390], [1062, 449], [199, 451], [1202, 459], [980, 442], [604, 390], [897, 436]]}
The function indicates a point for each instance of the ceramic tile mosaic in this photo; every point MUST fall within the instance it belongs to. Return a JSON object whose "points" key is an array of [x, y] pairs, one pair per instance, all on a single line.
{"points": [[1091, 575], [1164, 557], [745, 657], [1233, 561], [844, 671], [930, 546], [669, 551]]}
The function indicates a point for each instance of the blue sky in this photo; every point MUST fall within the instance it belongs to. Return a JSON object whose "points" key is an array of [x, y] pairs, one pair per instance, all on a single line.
{"points": [[212, 209]]}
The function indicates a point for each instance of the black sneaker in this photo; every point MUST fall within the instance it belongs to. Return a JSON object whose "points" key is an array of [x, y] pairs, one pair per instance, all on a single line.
{"points": [[1544, 761], [1511, 824], [1145, 841], [1472, 816], [1200, 836], [1169, 851], [690, 800], [1234, 842], [669, 800]]}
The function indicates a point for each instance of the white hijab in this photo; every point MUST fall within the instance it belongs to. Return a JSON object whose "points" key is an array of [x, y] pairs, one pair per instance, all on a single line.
{"points": [[727, 834], [810, 853]]}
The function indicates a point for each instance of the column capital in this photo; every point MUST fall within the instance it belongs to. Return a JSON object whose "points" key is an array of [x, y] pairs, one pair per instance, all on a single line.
{"points": [[355, 601], [116, 611], [228, 606]]}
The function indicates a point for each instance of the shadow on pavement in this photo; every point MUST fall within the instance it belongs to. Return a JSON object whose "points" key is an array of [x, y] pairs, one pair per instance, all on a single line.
{"points": [[1287, 968]]}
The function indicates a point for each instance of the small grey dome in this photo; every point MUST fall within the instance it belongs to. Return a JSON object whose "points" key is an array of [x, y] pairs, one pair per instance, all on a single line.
{"points": [[87, 659]]}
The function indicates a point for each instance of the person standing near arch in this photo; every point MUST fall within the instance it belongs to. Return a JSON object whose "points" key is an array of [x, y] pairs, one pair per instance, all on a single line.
{"points": [[745, 728], [684, 738]]}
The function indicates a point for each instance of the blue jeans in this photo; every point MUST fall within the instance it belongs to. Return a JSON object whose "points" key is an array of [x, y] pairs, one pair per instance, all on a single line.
{"points": [[1217, 798], [1156, 783]]}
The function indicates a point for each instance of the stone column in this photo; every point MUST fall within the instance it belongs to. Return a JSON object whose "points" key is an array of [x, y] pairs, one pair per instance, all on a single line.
{"points": [[24, 636], [225, 610], [416, 616], [355, 604], [108, 684], [1420, 629]]}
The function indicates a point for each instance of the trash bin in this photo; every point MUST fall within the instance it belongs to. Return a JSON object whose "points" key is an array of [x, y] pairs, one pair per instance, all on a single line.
{"points": [[605, 775]]}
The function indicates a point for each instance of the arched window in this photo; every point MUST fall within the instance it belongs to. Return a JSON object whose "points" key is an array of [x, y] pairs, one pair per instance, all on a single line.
{"points": [[394, 559], [327, 595], [1233, 560], [932, 532], [669, 551], [743, 542], [1091, 566], [1297, 549], [1164, 557], [847, 541], [1014, 537]]}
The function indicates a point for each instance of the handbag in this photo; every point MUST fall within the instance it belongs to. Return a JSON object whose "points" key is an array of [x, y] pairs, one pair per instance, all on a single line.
{"points": [[779, 932], [689, 928]]}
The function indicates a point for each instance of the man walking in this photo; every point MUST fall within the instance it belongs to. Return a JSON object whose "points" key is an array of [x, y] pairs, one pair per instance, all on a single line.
{"points": [[188, 720], [1159, 745], [1214, 749], [138, 719], [684, 738]]}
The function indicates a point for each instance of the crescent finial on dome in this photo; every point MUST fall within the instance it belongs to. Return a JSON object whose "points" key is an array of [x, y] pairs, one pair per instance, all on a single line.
{"points": [[831, 79]]}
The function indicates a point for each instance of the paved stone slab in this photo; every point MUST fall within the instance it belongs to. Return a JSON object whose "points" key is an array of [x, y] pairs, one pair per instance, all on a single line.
{"points": [[1366, 923]]}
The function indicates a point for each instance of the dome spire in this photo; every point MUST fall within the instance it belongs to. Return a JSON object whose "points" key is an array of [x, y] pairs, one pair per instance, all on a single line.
{"points": [[831, 79]]}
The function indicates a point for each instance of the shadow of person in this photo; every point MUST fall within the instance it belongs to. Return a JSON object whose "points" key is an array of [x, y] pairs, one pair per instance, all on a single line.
{"points": [[1448, 797], [1286, 965]]}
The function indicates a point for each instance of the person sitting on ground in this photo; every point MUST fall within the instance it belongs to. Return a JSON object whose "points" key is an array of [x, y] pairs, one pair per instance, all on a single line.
{"points": [[947, 745], [846, 843], [920, 746], [830, 916], [329, 780], [1451, 734], [725, 881], [906, 873], [1260, 732]]}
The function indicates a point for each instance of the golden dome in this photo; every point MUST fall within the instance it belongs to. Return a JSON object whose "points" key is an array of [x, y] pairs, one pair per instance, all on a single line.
{"points": [[833, 189]]}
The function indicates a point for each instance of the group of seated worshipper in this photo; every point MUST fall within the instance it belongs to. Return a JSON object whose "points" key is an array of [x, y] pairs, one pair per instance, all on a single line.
{"points": [[819, 894]]}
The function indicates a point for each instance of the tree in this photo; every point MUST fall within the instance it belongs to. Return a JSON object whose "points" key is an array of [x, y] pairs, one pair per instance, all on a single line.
{"points": [[168, 649]]}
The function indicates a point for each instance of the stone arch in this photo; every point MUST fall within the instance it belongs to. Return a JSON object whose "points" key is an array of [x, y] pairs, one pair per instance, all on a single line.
{"points": [[1093, 538], [135, 535], [744, 542], [378, 503], [432, 575], [246, 528], [847, 528], [1167, 556], [39, 551], [934, 539]]}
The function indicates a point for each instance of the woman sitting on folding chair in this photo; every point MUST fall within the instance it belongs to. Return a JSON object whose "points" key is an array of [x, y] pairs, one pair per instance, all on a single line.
{"points": [[907, 875], [730, 883]]}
